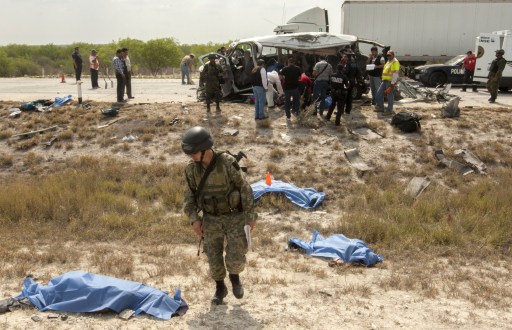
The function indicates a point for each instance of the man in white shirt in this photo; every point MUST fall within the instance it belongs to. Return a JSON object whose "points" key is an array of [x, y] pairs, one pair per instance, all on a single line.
{"points": [[273, 83]]}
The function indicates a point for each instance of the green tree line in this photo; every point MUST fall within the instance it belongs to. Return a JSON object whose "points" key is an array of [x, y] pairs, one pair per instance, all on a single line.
{"points": [[152, 57]]}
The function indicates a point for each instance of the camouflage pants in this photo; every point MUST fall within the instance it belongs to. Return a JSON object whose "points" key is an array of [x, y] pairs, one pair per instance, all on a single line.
{"points": [[229, 228], [213, 93], [492, 85]]}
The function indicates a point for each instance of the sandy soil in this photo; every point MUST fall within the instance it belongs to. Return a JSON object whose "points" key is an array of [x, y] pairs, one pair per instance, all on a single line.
{"points": [[285, 289]]}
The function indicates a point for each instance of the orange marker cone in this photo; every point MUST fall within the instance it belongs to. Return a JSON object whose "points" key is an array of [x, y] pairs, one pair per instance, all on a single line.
{"points": [[62, 79], [268, 180]]}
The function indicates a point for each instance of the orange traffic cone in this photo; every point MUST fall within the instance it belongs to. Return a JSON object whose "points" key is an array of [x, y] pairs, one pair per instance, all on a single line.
{"points": [[62, 79], [268, 180]]}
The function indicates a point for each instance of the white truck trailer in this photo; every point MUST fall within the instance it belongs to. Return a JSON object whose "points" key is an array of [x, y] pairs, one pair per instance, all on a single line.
{"points": [[420, 31]]}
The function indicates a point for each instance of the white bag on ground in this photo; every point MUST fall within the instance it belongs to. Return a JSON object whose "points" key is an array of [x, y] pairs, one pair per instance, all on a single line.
{"points": [[451, 108]]}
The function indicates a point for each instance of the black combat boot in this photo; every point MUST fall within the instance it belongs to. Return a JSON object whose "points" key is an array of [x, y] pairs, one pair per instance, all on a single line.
{"points": [[218, 107], [207, 107], [220, 293], [238, 289]]}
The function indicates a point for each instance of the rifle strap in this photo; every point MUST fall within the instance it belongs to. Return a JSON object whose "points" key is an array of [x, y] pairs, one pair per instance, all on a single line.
{"points": [[207, 172]]}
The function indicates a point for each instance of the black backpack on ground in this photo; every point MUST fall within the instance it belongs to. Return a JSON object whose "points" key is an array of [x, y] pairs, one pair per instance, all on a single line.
{"points": [[407, 122]]}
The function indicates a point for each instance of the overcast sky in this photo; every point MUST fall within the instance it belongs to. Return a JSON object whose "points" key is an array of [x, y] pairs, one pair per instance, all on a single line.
{"points": [[39, 22]]}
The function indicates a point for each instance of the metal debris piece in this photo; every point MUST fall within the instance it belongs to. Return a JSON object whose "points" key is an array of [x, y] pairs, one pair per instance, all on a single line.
{"points": [[64, 317], [451, 109], [27, 134], [472, 160], [366, 133], [49, 142], [228, 131], [109, 123], [413, 93], [15, 114], [286, 138], [126, 314], [53, 316], [417, 185], [325, 293], [356, 161], [36, 318], [463, 169], [130, 138], [328, 141], [175, 121]]}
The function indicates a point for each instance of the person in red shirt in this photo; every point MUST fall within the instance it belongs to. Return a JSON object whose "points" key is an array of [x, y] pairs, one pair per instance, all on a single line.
{"points": [[305, 88], [469, 70]]}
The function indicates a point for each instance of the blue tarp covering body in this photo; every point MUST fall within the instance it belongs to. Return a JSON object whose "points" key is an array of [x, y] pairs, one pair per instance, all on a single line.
{"points": [[60, 101], [307, 198], [86, 292], [338, 247]]}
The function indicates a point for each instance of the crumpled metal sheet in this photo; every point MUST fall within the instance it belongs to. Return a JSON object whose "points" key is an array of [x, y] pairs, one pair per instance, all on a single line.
{"points": [[356, 161]]}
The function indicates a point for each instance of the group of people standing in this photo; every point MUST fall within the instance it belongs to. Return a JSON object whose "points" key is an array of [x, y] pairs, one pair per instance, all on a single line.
{"points": [[122, 68]]}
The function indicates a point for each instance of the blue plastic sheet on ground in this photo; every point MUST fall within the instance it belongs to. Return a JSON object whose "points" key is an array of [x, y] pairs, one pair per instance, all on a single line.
{"points": [[60, 101], [307, 198], [337, 247], [86, 292]]}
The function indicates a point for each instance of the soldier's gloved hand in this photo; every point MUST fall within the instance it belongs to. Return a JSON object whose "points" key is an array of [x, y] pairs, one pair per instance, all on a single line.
{"points": [[198, 228]]}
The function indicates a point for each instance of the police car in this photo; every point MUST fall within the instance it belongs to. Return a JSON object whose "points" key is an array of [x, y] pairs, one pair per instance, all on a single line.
{"points": [[432, 75]]}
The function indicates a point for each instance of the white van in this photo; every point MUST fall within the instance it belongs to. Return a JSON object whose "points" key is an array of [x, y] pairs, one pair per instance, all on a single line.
{"points": [[486, 46]]}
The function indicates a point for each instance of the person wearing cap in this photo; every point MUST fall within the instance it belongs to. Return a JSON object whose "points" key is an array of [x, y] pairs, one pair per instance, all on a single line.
{"points": [[77, 63], [211, 78], [390, 74], [469, 70], [186, 68], [226, 201], [94, 65], [322, 72], [495, 72]]}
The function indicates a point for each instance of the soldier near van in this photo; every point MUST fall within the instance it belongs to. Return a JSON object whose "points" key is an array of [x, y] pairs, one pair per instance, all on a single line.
{"points": [[339, 86], [469, 70], [211, 78], [227, 203], [350, 70], [495, 72]]}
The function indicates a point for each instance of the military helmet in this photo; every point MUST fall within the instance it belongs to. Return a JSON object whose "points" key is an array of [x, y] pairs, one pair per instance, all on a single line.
{"points": [[196, 139], [500, 51], [211, 55]]}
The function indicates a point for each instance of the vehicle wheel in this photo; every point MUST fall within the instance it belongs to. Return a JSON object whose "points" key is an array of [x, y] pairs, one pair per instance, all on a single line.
{"points": [[504, 89], [437, 79]]}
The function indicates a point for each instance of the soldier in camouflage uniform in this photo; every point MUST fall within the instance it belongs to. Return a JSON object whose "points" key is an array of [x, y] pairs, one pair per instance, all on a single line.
{"points": [[495, 72], [227, 203], [210, 78]]}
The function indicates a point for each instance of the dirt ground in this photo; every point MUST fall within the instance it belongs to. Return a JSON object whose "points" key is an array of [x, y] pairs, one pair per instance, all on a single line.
{"points": [[285, 289]]}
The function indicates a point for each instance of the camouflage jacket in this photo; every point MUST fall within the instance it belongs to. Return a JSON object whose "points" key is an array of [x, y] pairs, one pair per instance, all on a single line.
{"points": [[210, 75], [226, 190]]}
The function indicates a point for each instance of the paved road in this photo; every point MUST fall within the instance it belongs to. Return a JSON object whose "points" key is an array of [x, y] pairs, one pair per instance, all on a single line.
{"points": [[145, 90], [159, 90]]}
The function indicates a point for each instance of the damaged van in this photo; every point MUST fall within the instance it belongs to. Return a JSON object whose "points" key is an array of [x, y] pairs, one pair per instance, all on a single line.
{"points": [[242, 55]]}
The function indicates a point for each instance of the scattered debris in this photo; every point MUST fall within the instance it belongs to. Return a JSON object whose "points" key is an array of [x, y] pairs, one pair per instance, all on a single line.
{"points": [[325, 293], [228, 131], [184, 109], [356, 161], [327, 141], [130, 138], [413, 93], [49, 142], [126, 314], [463, 169], [472, 160], [53, 316], [286, 138], [366, 133], [27, 134], [111, 112], [108, 124], [175, 121], [35, 318], [451, 108], [87, 106], [64, 317], [417, 185], [15, 114]]}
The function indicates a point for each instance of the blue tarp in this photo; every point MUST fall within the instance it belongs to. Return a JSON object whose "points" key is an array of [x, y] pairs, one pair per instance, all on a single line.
{"points": [[60, 101], [337, 247], [304, 197], [86, 292]]}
